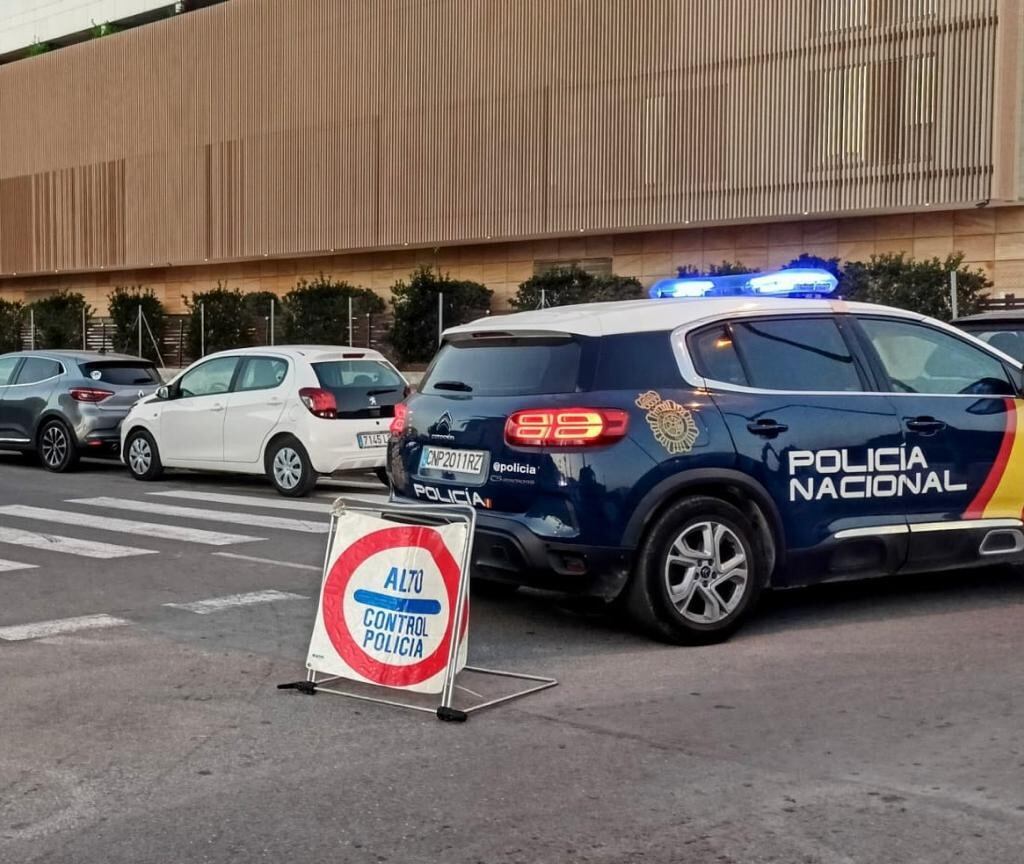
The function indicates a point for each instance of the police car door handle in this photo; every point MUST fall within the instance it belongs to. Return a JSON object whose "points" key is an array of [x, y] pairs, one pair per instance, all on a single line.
{"points": [[925, 425], [768, 428]]}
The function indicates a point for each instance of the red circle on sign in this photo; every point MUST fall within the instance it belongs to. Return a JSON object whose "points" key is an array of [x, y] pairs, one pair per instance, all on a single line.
{"points": [[334, 591]]}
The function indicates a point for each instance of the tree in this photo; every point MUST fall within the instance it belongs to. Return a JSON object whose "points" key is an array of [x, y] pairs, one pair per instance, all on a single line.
{"points": [[59, 319], [257, 313], [922, 286], [562, 286], [831, 265], [414, 332], [317, 312], [222, 313], [124, 302], [726, 268], [12, 315]]}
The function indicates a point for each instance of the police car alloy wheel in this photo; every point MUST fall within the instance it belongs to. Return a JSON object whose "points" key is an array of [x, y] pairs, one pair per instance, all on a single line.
{"points": [[289, 468], [142, 457], [698, 573]]}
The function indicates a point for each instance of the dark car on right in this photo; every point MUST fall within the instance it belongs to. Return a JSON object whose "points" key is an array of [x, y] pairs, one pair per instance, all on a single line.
{"points": [[1002, 329]]}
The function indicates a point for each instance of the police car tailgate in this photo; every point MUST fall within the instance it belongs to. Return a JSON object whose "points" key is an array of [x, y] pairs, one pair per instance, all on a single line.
{"points": [[455, 446], [455, 452]]}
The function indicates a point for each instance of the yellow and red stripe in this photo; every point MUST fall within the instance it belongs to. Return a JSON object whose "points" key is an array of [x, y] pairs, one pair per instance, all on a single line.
{"points": [[1002, 493]]}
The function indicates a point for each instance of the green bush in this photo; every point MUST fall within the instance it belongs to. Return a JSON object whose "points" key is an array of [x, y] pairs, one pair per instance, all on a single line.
{"points": [[256, 305], [414, 332], [316, 312], [830, 265], [227, 320], [124, 302], [726, 268], [922, 286], [12, 316], [563, 286], [58, 319]]}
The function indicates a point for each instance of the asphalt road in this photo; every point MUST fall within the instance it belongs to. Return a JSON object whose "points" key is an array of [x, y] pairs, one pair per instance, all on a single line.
{"points": [[860, 723]]}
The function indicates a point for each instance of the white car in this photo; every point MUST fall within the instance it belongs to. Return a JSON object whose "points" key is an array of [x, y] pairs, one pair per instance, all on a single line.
{"points": [[290, 412]]}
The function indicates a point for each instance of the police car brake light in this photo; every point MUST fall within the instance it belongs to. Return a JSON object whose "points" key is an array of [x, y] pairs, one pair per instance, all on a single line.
{"points": [[792, 282], [397, 426], [565, 427]]}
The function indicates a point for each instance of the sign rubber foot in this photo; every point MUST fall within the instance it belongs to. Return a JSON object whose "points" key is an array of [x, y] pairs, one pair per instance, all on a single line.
{"points": [[307, 687], [451, 715]]}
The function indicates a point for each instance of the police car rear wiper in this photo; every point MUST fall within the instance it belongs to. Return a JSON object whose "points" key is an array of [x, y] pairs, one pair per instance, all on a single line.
{"points": [[381, 390], [461, 386]]}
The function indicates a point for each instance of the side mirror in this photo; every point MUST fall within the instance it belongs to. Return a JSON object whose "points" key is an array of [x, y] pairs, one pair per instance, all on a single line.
{"points": [[163, 392]]}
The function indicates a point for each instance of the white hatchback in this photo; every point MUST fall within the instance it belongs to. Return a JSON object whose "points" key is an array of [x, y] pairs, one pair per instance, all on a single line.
{"points": [[290, 412]]}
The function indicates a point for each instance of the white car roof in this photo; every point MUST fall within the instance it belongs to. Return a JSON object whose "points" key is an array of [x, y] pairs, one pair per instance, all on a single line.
{"points": [[638, 316], [312, 353]]}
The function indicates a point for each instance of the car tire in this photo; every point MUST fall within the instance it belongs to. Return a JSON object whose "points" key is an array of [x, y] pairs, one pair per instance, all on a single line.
{"points": [[289, 469], [142, 456], [699, 573], [382, 475], [56, 446]]}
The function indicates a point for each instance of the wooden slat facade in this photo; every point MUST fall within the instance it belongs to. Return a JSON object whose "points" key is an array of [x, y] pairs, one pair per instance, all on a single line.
{"points": [[302, 127]]}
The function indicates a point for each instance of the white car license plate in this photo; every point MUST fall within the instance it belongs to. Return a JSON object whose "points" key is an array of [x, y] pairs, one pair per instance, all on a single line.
{"points": [[373, 439], [456, 461]]}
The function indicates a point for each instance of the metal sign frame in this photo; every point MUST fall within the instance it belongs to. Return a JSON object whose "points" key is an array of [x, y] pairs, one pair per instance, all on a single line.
{"points": [[420, 514]]}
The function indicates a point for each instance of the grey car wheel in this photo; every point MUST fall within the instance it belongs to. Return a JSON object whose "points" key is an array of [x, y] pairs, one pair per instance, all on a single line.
{"points": [[56, 446]]}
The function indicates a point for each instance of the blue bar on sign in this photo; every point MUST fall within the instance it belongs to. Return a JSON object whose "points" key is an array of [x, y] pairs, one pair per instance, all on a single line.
{"points": [[409, 605]]}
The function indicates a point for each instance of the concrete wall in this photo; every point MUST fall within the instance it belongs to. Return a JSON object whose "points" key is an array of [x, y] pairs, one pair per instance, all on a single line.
{"points": [[991, 239], [288, 128]]}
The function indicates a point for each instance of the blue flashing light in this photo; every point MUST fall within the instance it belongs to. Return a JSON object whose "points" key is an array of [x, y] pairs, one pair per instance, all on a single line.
{"points": [[795, 282]]}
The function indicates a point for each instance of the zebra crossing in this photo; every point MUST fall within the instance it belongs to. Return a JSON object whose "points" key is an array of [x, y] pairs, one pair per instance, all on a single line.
{"points": [[159, 515]]}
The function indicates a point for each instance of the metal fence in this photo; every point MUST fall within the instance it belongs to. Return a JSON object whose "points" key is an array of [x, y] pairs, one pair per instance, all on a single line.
{"points": [[996, 304]]}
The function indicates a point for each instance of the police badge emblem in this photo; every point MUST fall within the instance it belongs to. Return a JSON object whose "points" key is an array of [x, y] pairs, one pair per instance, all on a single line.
{"points": [[671, 424]]}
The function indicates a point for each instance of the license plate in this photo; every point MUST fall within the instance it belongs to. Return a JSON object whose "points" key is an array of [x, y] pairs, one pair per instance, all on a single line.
{"points": [[456, 461], [373, 439]]}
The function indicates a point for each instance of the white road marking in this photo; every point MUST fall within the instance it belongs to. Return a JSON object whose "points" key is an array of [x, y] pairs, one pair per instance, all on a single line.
{"points": [[11, 566], [255, 560], [42, 629], [128, 526], [216, 604], [355, 484], [68, 545], [248, 501], [256, 520]]}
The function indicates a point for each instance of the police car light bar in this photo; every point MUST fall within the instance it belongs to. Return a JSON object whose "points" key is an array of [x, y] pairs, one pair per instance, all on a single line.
{"points": [[795, 282]]}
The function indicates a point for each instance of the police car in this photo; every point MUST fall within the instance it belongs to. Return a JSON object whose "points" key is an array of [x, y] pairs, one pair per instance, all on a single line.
{"points": [[684, 453]]}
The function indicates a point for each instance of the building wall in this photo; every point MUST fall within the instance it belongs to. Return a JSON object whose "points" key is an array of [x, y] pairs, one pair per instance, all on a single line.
{"points": [[261, 128], [991, 239], [24, 22]]}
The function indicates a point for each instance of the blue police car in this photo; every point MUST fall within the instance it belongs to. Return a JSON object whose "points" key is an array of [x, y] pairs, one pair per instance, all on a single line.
{"points": [[683, 454]]}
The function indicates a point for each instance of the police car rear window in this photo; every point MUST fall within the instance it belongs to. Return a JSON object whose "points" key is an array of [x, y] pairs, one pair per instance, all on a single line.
{"points": [[781, 354], [505, 367]]}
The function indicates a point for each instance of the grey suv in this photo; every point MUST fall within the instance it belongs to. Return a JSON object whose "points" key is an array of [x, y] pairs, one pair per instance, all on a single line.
{"points": [[61, 404]]}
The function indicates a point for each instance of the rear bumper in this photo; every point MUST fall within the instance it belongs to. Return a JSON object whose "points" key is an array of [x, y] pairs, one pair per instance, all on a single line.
{"points": [[104, 443], [333, 444], [506, 551]]}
